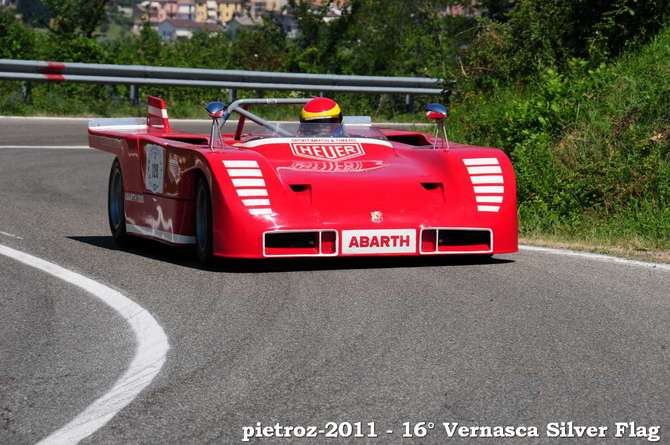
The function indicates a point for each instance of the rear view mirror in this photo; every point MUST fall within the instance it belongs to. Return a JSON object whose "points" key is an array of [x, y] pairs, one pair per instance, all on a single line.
{"points": [[438, 113], [215, 111]]}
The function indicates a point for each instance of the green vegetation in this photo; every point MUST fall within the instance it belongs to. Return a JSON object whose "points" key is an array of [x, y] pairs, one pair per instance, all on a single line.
{"points": [[575, 92], [591, 147]]}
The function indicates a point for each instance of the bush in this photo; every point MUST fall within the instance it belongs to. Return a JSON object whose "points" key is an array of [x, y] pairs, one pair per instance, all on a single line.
{"points": [[541, 34], [17, 41]]}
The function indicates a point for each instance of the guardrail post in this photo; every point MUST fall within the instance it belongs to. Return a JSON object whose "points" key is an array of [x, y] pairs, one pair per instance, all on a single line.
{"points": [[409, 102], [232, 95], [134, 95], [27, 92]]}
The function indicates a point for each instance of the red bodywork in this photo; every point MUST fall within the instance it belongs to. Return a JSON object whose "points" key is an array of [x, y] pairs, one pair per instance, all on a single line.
{"points": [[398, 196]]}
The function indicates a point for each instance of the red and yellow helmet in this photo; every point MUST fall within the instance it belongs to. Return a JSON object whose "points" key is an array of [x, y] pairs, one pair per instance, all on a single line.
{"points": [[321, 110]]}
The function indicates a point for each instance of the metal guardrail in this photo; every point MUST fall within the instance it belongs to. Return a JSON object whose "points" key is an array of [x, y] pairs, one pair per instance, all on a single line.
{"points": [[135, 75]]}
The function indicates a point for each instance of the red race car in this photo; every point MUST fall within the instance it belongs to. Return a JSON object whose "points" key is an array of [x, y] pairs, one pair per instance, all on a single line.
{"points": [[339, 188]]}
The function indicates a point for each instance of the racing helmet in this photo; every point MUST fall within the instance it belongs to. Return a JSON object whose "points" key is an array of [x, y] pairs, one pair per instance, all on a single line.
{"points": [[321, 110]]}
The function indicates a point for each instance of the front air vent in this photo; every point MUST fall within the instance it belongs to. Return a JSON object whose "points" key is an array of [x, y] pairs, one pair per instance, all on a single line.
{"points": [[300, 187], [456, 240], [300, 243], [461, 238], [432, 185]]}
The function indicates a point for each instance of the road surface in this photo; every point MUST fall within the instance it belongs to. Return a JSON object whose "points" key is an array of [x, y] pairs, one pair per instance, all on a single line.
{"points": [[523, 339]]}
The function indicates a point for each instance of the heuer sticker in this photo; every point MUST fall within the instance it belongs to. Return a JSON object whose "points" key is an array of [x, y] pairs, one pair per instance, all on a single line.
{"points": [[155, 169], [379, 241], [327, 149]]}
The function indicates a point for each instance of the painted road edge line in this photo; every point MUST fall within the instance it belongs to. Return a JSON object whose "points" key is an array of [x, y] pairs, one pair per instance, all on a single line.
{"points": [[10, 235], [150, 352], [597, 257]]}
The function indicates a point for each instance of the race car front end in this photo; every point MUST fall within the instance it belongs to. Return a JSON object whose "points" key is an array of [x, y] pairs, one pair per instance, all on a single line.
{"points": [[385, 202]]}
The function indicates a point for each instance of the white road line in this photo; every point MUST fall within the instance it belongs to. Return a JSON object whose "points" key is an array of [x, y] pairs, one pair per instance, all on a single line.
{"points": [[150, 353], [596, 257], [48, 147], [11, 235]]}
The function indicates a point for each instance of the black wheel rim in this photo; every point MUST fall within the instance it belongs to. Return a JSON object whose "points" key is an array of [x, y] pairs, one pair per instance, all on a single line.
{"points": [[201, 221], [116, 200]]}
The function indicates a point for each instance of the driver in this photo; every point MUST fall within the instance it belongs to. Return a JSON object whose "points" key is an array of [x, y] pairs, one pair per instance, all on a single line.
{"points": [[321, 117]]}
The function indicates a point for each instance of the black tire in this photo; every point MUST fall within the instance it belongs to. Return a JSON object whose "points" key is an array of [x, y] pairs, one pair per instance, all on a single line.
{"points": [[203, 224], [116, 206]]}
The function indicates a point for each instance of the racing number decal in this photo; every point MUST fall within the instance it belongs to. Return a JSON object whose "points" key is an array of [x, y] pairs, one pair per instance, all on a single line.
{"points": [[155, 168]]}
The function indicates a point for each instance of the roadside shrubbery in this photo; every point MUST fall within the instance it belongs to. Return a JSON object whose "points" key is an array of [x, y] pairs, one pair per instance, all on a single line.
{"points": [[591, 146]]}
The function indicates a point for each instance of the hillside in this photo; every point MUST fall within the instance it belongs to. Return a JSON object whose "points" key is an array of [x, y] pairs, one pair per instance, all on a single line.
{"points": [[591, 149]]}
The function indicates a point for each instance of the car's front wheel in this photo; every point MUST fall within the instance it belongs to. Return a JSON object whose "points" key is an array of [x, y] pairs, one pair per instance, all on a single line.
{"points": [[115, 205], [203, 223]]}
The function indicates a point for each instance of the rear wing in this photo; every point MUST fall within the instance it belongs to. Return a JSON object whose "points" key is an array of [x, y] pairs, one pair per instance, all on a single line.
{"points": [[156, 120], [157, 115], [106, 134]]}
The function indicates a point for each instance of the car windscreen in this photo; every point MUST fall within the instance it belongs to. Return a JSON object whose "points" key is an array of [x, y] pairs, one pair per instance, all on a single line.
{"points": [[313, 130]]}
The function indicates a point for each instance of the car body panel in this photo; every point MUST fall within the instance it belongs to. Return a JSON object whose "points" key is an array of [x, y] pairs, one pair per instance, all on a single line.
{"points": [[311, 184]]}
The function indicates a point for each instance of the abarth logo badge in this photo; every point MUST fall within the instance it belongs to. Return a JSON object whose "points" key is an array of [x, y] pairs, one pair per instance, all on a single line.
{"points": [[376, 216]]}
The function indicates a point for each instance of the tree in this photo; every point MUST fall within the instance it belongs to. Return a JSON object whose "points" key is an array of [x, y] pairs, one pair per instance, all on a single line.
{"points": [[17, 41], [76, 17], [33, 12]]}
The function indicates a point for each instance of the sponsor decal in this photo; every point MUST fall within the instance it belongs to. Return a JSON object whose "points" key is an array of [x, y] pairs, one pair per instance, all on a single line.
{"points": [[154, 176], [379, 241], [327, 149], [134, 197], [335, 167], [174, 170], [106, 143], [376, 216]]}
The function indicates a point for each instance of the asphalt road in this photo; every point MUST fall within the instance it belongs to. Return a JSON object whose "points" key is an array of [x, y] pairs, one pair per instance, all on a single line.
{"points": [[519, 340]]}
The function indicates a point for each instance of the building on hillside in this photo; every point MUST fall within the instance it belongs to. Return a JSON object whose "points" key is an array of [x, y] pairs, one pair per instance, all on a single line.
{"points": [[156, 11], [206, 11], [239, 22], [259, 8], [186, 10], [175, 29], [228, 9], [288, 23]]}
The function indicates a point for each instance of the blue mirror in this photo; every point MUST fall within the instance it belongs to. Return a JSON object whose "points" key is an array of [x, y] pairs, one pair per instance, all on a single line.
{"points": [[215, 109], [436, 112]]}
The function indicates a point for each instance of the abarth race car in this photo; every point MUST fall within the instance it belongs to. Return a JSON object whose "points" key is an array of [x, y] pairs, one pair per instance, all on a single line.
{"points": [[271, 189]]}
